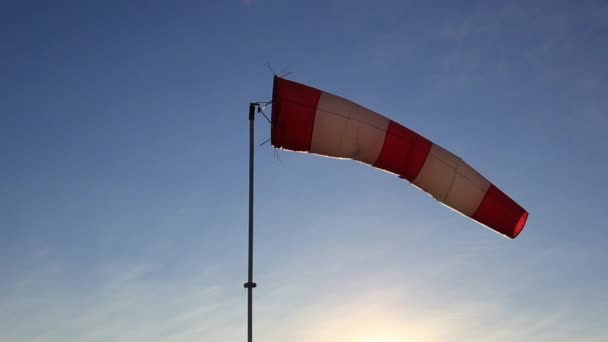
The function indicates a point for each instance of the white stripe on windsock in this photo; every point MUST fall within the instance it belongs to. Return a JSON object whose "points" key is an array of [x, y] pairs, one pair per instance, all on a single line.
{"points": [[450, 180], [344, 129]]}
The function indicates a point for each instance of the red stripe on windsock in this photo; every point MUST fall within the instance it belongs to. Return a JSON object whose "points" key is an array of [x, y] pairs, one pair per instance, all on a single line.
{"points": [[293, 131], [404, 151], [499, 212]]}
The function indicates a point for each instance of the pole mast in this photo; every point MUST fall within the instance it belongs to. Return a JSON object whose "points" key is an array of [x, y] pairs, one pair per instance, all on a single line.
{"points": [[250, 285]]}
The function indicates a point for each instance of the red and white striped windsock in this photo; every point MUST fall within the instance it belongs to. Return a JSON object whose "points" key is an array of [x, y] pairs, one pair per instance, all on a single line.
{"points": [[309, 120]]}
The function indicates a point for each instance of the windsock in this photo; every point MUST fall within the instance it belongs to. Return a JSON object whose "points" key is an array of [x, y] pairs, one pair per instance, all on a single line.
{"points": [[305, 119]]}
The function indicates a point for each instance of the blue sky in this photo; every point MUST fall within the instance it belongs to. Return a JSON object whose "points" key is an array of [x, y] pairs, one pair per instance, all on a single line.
{"points": [[123, 145]]}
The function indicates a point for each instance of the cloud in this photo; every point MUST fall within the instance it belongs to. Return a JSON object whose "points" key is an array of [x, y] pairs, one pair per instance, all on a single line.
{"points": [[127, 305]]}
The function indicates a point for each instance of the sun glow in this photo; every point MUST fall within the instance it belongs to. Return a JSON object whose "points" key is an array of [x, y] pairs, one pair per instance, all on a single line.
{"points": [[376, 326], [382, 338], [371, 318]]}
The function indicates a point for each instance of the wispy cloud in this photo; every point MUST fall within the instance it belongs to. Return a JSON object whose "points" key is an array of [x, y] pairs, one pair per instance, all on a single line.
{"points": [[127, 305]]}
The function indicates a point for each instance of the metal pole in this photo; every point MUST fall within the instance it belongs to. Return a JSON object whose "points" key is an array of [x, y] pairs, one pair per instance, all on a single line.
{"points": [[249, 285]]}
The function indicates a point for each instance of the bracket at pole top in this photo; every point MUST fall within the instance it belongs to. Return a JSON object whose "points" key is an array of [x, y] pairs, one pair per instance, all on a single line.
{"points": [[250, 285]]}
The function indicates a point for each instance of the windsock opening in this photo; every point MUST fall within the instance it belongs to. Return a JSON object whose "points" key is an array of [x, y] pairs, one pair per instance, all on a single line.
{"points": [[520, 224]]}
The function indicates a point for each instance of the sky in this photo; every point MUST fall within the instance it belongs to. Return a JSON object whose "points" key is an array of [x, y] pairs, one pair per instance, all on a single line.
{"points": [[124, 160]]}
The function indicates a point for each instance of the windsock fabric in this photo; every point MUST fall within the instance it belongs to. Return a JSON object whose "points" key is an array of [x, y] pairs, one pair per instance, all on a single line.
{"points": [[305, 119]]}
